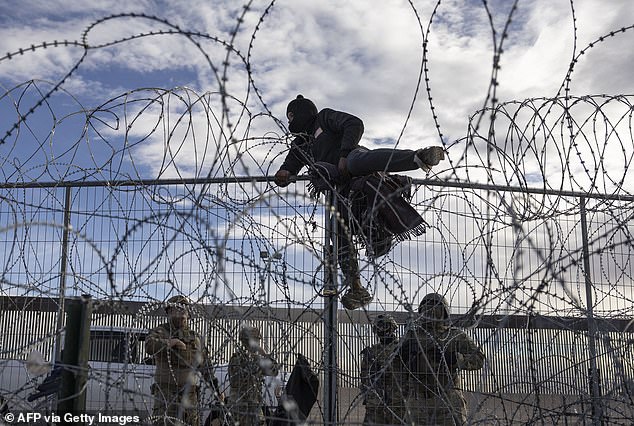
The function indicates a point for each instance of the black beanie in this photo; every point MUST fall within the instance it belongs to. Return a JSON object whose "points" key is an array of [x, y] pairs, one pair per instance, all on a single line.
{"points": [[304, 112]]}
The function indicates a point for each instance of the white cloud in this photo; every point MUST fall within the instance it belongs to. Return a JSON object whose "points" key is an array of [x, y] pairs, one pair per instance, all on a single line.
{"points": [[344, 55]]}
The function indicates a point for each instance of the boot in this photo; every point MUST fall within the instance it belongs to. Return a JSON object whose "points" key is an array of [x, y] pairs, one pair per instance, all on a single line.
{"points": [[356, 296]]}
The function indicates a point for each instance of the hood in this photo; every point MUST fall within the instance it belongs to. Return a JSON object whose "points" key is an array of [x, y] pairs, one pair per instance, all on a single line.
{"points": [[304, 114]]}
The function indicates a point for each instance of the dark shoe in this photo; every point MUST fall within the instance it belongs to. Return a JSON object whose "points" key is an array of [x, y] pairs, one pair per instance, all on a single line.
{"points": [[428, 157], [356, 298]]}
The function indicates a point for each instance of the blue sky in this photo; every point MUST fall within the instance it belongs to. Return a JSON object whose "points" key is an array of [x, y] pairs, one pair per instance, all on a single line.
{"points": [[151, 107], [363, 59]]}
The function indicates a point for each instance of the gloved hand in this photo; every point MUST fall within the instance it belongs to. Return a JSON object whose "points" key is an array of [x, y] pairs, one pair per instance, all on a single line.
{"points": [[176, 344], [282, 178]]}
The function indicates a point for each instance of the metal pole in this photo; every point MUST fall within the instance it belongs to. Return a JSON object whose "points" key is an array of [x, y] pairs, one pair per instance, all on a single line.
{"points": [[597, 415], [62, 273], [72, 393], [330, 310], [268, 259]]}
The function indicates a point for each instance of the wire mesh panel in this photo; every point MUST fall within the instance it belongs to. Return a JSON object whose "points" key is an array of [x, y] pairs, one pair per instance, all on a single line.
{"points": [[132, 249], [508, 299]]}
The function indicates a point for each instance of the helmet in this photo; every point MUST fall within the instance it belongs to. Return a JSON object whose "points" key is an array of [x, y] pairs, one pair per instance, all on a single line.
{"points": [[384, 325], [249, 333], [177, 302], [434, 299]]}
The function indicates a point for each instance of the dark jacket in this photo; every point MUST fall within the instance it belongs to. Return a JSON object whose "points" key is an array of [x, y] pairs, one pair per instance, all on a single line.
{"points": [[303, 385], [302, 388], [333, 135], [377, 208]]}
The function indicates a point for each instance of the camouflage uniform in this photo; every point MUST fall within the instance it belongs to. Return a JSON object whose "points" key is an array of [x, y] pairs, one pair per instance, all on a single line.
{"points": [[435, 352], [176, 377], [247, 368], [383, 376]]}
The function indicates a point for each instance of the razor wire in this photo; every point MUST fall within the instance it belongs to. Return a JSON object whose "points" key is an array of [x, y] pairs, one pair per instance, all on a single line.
{"points": [[169, 194]]}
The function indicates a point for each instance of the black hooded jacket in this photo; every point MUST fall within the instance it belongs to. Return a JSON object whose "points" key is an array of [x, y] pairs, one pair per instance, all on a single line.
{"points": [[332, 136]]}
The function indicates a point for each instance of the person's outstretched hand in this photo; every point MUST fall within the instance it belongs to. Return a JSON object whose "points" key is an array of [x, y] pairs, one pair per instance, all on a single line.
{"points": [[176, 344], [282, 178]]}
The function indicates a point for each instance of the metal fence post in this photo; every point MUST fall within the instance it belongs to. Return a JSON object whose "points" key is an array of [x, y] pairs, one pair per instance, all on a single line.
{"points": [[330, 310], [62, 272], [72, 393], [597, 415]]}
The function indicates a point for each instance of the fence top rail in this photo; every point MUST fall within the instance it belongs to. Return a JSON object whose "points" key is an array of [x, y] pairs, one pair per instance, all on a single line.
{"points": [[260, 179], [220, 311]]}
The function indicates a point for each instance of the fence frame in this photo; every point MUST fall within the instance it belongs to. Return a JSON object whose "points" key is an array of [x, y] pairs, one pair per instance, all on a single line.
{"points": [[330, 315]]}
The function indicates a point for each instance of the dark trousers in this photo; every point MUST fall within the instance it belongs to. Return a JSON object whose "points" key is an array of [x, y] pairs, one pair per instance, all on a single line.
{"points": [[363, 161], [347, 255]]}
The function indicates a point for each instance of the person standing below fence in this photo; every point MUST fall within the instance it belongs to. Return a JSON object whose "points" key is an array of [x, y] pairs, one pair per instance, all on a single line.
{"points": [[435, 352], [383, 376], [247, 368], [333, 137], [180, 355]]}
